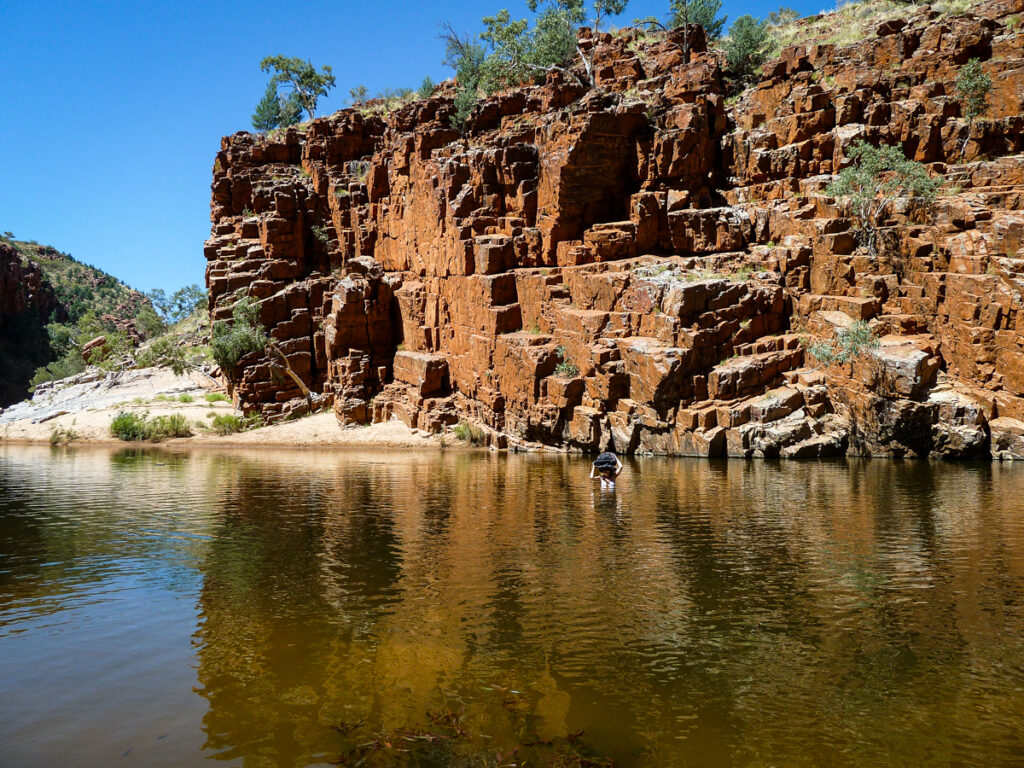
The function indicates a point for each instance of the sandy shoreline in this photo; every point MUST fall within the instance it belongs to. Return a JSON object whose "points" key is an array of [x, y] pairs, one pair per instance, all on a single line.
{"points": [[86, 410], [320, 430]]}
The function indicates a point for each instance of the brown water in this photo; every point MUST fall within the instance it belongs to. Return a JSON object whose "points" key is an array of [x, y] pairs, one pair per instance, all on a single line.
{"points": [[295, 608]]}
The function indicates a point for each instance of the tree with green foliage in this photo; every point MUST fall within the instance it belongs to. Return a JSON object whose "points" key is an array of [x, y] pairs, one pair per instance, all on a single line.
{"points": [[746, 48], [877, 178], [554, 38], [514, 52], [426, 89], [972, 88], [358, 95], [703, 12], [783, 16], [187, 301], [68, 339], [302, 77], [231, 341], [466, 57], [268, 110], [149, 323], [160, 301], [291, 110], [511, 60], [183, 303]]}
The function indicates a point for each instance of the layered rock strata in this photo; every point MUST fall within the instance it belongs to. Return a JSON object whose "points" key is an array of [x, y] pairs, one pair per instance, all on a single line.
{"points": [[643, 265]]}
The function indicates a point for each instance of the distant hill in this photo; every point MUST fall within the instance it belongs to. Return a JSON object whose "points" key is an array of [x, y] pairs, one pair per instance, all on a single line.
{"points": [[80, 287], [38, 285]]}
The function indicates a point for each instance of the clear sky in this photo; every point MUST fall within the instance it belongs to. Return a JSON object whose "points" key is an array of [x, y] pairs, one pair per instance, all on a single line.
{"points": [[112, 111]]}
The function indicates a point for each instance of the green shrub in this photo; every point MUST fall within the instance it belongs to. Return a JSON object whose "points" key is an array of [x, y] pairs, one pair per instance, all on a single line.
{"points": [[164, 351], [233, 341], [746, 49], [227, 423], [465, 100], [703, 12], [358, 95], [215, 397], [783, 16], [163, 427], [972, 87], [320, 233], [426, 89], [127, 426], [848, 344], [291, 110], [66, 366], [470, 433], [133, 427], [877, 178], [566, 370], [63, 435], [149, 323], [185, 398]]}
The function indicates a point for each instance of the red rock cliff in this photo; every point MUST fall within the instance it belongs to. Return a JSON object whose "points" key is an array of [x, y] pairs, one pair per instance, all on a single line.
{"points": [[26, 304], [642, 264]]}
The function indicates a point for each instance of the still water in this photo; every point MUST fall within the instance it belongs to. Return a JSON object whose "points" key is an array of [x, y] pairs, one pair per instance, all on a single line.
{"points": [[273, 608]]}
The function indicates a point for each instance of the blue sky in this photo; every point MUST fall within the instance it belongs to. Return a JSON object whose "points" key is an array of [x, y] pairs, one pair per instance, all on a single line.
{"points": [[113, 111]]}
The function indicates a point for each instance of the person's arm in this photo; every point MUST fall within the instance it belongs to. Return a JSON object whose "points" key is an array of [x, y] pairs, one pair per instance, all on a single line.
{"points": [[618, 467]]}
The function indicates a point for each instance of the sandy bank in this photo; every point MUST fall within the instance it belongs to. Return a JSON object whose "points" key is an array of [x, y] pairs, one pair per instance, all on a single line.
{"points": [[86, 406]]}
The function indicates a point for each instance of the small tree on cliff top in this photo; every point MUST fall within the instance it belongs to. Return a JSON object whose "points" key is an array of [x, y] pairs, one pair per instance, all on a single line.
{"points": [[516, 52], [291, 110], [358, 95], [703, 12], [268, 110], [746, 48], [878, 177], [302, 77]]}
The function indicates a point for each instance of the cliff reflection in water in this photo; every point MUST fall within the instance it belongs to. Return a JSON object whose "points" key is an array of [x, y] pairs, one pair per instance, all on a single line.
{"points": [[706, 614]]}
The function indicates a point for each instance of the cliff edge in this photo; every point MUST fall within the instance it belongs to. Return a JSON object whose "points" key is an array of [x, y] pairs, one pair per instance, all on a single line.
{"points": [[644, 265]]}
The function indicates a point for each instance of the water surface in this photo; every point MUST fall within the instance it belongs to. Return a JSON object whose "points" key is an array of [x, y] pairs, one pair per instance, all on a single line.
{"points": [[393, 608]]}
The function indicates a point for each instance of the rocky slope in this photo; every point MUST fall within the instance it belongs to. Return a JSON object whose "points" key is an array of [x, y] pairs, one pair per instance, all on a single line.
{"points": [[644, 264], [37, 283], [82, 288], [26, 303]]}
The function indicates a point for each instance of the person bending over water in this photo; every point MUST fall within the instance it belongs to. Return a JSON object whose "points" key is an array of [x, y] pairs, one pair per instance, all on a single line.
{"points": [[607, 467]]}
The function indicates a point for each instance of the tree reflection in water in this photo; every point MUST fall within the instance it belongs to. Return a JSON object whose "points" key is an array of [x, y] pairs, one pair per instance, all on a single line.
{"points": [[704, 614], [479, 608]]}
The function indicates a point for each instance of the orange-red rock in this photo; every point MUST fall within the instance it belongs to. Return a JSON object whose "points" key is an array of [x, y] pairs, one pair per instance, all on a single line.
{"points": [[641, 266]]}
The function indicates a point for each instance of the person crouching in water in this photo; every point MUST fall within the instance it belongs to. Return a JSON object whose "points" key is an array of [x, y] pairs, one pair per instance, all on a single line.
{"points": [[607, 467]]}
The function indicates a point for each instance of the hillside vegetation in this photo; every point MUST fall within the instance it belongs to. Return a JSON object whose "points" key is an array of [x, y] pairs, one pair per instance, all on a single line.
{"points": [[81, 288], [75, 315]]}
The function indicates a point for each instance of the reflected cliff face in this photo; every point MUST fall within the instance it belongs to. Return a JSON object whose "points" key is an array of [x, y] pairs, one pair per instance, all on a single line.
{"points": [[448, 609]]}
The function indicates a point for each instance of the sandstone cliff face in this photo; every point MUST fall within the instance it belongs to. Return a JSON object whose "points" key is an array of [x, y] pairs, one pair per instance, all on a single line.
{"points": [[643, 265], [26, 303]]}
